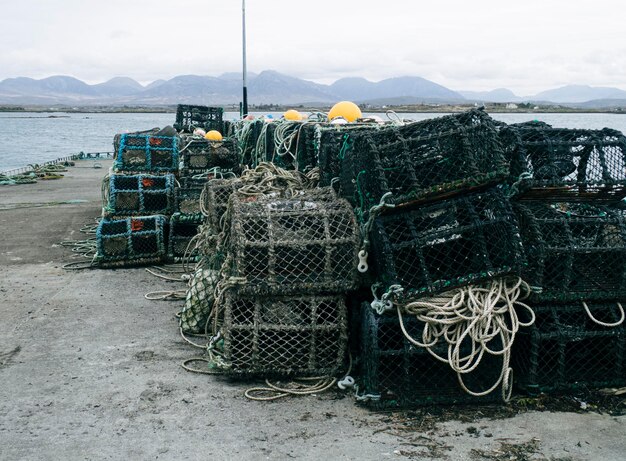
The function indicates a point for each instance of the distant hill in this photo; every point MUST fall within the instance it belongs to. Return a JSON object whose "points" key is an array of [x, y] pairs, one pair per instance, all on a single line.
{"points": [[497, 95], [579, 93], [271, 87]]}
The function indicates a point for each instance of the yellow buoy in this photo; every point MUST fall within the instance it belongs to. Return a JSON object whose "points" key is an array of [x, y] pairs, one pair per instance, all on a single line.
{"points": [[213, 135], [346, 109], [293, 115]]}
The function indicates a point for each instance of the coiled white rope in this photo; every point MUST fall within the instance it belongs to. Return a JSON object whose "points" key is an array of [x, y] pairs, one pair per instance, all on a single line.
{"points": [[476, 313], [605, 324]]}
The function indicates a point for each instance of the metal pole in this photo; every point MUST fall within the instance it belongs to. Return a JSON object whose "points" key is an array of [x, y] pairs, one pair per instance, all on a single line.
{"points": [[245, 69]]}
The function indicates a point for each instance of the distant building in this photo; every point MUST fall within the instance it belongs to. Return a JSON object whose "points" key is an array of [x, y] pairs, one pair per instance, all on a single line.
{"points": [[511, 106]]}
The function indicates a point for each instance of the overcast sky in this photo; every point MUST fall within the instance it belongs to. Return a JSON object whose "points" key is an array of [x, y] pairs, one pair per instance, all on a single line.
{"points": [[527, 46]]}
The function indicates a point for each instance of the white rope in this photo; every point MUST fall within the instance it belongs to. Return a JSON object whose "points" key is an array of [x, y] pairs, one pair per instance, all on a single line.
{"points": [[604, 324], [475, 313]]}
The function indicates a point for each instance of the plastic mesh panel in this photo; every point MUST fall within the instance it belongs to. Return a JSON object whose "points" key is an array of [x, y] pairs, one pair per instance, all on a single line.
{"points": [[190, 117], [201, 155], [404, 375], [136, 195], [216, 195], [568, 164], [566, 350], [299, 335], [423, 160], [139, 153], [575, 251], [290, 245], [130, 241], [447, 244]]}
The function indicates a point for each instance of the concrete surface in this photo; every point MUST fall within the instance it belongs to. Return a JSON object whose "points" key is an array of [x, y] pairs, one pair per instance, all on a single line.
{"points": [[90, 370]]}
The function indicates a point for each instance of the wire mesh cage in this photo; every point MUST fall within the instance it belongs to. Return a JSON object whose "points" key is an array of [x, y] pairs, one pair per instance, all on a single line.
{"points": [[131, 241], [447, 244], [187, 197], [574, 250], [189, 117], [147, 153], [215, 199], [397, 374], [182, 230], [284, 335], [423, 160], [200, 155], [137, 195], [565, 350], [302, 244], [567, 164]]}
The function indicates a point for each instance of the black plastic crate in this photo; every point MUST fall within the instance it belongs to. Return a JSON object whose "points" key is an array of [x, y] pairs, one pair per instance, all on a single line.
{"points": [[423, 161], [397, 374], [447, 244], [566, 164], [182, 230], [189, 117], [295, 245], [567, 351], [139, 195], [575, 251], [146, 153], [303, 335], [131, 241]]}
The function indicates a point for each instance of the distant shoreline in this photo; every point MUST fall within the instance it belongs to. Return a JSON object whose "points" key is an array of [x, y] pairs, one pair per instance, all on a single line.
{"points": [[413, 108]]}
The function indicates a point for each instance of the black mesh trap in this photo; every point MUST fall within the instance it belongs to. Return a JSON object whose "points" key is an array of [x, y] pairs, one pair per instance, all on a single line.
{"points": [[183, 228], [146, 153], [189, 117], [447, 244], [130, 242], [215, 200], [396, 373], [574, 250], [188, 197], [423, 160], [139, 195], [567, 164], [296, 245], [283, 335], [200, 155], [566, 351]]}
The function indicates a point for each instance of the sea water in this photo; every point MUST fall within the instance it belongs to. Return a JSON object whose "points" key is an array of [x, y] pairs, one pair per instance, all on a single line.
{"points": [[29, 138]]}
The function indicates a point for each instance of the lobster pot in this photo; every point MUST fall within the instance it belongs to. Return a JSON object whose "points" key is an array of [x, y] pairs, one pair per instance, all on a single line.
{"points": [[147, 153], [118, 137], [215, 199], [296, 245], [423, 160], [397, 374], [575, 250], [567, 164], [247, 134], [131, 241], [189, 117], [201, 155], [565, 350], [140, 195], [183, 228], [447, 244], [285, 335], [333, 144], [188, 198]]}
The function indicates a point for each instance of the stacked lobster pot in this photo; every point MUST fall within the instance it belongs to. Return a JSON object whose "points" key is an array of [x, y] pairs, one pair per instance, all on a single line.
{"points": [[138, 199], [569, 183], [271, 292], [442, 248]]}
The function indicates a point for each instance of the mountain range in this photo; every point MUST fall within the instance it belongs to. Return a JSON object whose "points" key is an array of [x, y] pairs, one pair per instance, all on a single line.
{"points": [[271, 87]]}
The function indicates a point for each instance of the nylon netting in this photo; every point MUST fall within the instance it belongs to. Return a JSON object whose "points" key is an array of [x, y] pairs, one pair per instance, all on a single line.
{"points": [[182, 230], [189, 117], [136, 195], [567, 164], [575, 251], [200, 155], [565, 350], [146, 153], [423, 160], [447, 244]]}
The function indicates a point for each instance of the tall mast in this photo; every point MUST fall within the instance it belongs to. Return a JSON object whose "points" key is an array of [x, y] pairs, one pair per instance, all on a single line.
{"points": [[245, 69]]}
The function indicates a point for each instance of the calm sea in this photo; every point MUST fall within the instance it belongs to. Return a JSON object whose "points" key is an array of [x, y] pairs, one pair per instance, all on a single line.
{"points": [[27, 138]]}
